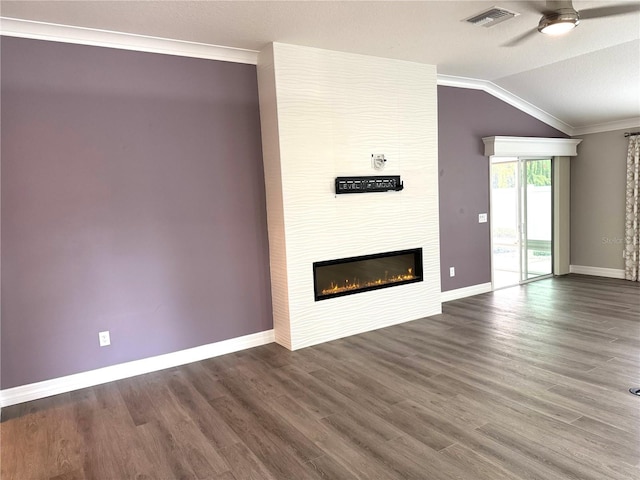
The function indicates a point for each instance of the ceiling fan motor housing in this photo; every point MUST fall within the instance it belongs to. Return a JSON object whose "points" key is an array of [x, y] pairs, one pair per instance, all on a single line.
{"points": [[565, 16]]}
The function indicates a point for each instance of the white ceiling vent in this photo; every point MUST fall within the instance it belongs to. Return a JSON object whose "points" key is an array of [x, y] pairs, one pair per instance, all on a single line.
{"points": [[491, 17]]}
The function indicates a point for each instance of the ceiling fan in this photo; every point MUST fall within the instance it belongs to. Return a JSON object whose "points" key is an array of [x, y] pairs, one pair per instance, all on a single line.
{"points": [[559, 16]]}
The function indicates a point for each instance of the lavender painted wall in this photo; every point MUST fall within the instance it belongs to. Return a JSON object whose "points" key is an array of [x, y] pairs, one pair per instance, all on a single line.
{"points": [[132, 201], [464, 118]]}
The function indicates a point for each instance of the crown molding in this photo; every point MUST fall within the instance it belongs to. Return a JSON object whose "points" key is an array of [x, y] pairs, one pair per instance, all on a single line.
{"points": [[507, 97], [608, 127], [517, 102], [13, 27]]}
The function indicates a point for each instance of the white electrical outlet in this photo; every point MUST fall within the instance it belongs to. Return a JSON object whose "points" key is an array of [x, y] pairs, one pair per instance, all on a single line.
{"points": [[482, 218], [452, 271], [104, 337]]}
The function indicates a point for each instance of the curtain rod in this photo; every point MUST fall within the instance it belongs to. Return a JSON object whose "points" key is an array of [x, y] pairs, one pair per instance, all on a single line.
{"points": [[631, 134]]}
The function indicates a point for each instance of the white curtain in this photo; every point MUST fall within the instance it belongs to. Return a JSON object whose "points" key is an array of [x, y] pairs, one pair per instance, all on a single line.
{"points": [[632, 224]]}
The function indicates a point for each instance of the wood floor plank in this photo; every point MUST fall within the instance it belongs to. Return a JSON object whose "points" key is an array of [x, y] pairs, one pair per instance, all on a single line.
{"points": [[403, 366], [25, 425], [328, 468], [225, 476], [244, 464], [366, 398], [358, 460], [161, 448], [277, 454], [522, 376], [409, 418], [311, 392], [487, 383], [564, 466], [64, 441], [499, 411], [270, 421], [367, 441], [296, 414], [578, 404], [630, 439], [137, 400], [199, 411], [411, 377], [525, 383], [429, 464], [476, 466], [72, 475]]}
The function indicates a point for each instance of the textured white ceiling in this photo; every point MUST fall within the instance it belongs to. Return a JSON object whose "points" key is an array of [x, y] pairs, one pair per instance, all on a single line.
{"points": [[593, 88], [591, 76]]}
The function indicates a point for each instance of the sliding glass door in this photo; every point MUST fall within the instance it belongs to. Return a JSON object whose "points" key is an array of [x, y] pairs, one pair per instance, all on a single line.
{"points": [[521, 220], [536, 218]]}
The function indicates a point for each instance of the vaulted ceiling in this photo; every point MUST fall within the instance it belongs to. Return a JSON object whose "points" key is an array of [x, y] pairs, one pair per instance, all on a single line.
{"points": [[589, 79]]}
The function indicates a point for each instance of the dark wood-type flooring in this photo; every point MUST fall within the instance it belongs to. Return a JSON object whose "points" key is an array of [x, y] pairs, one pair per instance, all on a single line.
{"points": [[524, 383]]}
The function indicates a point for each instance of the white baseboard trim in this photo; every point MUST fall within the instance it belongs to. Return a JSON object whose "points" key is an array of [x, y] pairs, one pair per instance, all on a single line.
{"points": [[34, 391], [465, 292], [597, 271]]}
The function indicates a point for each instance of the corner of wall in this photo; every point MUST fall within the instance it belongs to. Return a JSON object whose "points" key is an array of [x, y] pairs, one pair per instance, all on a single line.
{"points": [[274, 194]]}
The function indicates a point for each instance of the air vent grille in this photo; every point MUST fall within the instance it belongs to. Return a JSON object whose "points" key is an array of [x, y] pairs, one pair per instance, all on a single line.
{"points": [[491, 17]]}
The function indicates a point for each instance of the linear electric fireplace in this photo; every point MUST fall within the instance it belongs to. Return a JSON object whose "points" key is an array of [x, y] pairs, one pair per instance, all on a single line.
{"points": [[345, 276]]}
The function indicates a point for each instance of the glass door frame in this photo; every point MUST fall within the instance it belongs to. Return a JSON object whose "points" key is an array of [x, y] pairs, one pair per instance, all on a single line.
{"points": [[521, 217], [524, 217]]}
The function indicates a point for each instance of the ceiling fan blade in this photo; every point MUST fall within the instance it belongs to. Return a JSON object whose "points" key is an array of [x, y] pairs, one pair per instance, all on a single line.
{"points": [[589, 13], [521, 38]]}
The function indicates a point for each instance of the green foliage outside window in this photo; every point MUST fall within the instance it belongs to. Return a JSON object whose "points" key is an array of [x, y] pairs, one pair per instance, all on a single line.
{"points": [[538, 174]]}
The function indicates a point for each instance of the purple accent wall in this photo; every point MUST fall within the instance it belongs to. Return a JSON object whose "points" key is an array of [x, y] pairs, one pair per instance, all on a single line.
{"points": [[464, 118], [132, 201]]}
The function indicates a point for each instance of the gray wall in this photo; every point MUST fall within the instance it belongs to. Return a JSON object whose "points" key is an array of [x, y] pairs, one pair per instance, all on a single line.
{"points": [[464, 118], [132, 201], [598, 200]]}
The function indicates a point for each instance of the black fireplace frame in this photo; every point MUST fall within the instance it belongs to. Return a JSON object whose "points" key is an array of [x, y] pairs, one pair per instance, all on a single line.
{"points": [[417, 252]]}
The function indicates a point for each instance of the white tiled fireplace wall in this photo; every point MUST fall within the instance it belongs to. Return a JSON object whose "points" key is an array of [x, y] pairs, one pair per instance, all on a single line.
{"points": [[323, 114]]}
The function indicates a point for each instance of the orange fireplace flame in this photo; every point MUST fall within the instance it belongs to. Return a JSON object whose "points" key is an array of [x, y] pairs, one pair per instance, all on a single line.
{"points": [[355, 284]]}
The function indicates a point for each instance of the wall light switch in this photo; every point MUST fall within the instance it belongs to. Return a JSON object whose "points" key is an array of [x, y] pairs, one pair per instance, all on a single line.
{"points": [[452, 271], [482, 218]]}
